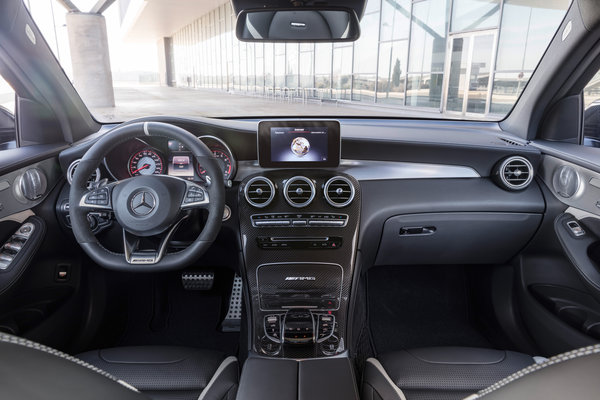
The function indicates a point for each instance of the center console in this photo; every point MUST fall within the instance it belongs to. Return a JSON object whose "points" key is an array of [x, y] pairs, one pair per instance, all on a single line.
{"points": [[299, 230]]}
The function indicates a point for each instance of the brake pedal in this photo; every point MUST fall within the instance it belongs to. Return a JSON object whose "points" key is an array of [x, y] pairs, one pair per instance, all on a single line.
{"points": [[198, 280], [233, 319]]}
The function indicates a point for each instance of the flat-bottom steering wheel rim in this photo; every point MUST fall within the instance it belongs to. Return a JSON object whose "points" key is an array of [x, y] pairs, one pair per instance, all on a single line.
{"points": [[91, 160]]}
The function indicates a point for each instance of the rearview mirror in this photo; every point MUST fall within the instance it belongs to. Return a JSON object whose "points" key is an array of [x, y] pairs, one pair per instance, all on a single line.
{"points": [[298, 25]]}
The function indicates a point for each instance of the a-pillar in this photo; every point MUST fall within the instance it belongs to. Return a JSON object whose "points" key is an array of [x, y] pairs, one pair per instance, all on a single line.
{"points": [[90, 58]]}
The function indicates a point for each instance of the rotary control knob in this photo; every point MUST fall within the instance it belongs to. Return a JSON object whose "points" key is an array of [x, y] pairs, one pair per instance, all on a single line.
{"points": [[330, 346], [269, 347]]}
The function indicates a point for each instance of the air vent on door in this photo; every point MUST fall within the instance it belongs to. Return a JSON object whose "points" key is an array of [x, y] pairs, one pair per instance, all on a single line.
{"points": [[299, 191], [514, 173], [339, 191], [259, 191], [31, 185], [95, 177], [566, 181]]}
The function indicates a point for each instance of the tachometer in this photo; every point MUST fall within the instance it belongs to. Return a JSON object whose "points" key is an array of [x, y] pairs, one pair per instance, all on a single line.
{"points": [[145, 162], [225, 162], [223, 155]]}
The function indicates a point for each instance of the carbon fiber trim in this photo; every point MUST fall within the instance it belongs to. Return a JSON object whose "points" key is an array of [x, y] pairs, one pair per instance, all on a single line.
{"points": [[344, 256]]}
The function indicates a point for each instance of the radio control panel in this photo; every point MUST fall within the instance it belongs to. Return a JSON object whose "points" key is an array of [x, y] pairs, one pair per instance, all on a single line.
{"points": [[299, 243], [309, 220]]}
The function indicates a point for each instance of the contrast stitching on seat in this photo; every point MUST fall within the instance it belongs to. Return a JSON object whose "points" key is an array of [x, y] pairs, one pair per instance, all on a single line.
{"points": [[5, 338], [582, 352], [375, 363], [224, 364]]}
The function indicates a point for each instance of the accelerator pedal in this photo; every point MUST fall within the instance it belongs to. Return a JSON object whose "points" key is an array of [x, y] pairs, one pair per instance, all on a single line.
{"points": [[233, 319]]}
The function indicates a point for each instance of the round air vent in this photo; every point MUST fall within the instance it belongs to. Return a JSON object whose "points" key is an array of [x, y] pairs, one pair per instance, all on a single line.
{"points": [[95, 177], [565, 181], [339, 191], [514, 173], [259, 192], [299, 191], [31, 185]]}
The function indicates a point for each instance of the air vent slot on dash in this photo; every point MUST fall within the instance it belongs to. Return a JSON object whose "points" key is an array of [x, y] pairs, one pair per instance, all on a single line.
{"points": [[339, 191], [514, 173], [259, 192], [299, 191]]}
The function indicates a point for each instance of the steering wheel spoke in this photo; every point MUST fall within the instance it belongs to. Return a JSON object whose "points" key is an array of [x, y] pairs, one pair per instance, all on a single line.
{"points": [[135, 255], [98, 198], [196, 196]]}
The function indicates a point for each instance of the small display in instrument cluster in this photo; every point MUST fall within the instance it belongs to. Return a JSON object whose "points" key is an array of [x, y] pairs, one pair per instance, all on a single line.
{"points": [[180, 161]]}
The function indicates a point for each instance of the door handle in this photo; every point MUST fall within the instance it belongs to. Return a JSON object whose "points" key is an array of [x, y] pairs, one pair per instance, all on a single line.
{"points": [[417, 230]]}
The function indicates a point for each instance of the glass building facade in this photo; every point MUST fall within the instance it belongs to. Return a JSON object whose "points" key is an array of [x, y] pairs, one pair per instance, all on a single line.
{"points": [[463, 57]]}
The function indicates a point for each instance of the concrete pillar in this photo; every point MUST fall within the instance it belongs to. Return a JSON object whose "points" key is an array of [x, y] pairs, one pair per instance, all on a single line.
{"points": [[88, 42], [166, 62]]}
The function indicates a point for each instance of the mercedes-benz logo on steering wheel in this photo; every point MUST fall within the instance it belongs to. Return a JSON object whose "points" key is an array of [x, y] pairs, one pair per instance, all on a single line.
{"points": [[143, 203]]}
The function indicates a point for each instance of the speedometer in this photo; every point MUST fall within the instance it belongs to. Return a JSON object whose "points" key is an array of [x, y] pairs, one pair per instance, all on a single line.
{"points": [[145, 162]]}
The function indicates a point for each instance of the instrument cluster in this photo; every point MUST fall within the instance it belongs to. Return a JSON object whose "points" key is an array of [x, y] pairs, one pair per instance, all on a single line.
{"points": [[161, 156]]}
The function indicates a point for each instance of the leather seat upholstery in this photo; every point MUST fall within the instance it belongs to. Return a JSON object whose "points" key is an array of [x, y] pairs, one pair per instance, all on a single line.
{"points": [[438, 373], [169, 372]]}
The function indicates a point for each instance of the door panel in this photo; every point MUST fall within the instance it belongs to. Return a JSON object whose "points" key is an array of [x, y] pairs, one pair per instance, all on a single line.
{"points": [[560, 272], [39, 264]]}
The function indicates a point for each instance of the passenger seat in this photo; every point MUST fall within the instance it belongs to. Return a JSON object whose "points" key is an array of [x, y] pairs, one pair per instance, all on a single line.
{"points": [[170, 372], [438, 373]]}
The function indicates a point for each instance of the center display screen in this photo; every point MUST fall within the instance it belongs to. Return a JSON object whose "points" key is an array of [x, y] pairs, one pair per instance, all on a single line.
{"points": [[299, 143]]}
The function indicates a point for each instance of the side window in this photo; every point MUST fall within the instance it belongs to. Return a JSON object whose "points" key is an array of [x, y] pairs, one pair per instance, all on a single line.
{"points": [[7, 118], [591, 114]]}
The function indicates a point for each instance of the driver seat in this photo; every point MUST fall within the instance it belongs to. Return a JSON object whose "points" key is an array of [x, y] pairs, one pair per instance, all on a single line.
{"points": [[170, 372]]}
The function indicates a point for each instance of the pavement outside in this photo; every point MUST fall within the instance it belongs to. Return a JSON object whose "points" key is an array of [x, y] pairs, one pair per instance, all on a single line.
{"points": [[138, 101]]}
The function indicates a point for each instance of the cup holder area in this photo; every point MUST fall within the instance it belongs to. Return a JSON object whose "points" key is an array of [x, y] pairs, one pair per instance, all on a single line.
{"points": [[577, 309]]}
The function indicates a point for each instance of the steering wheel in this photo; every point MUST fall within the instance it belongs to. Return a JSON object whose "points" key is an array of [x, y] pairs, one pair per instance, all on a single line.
{"points": [[148, 205]]}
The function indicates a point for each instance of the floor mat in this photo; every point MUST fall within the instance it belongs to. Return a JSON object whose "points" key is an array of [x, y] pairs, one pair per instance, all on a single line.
{"points": [[420, 306], [161, 312]]}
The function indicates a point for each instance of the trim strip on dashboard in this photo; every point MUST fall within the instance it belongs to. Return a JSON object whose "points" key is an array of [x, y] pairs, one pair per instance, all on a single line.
{"points": [[369, 170]]}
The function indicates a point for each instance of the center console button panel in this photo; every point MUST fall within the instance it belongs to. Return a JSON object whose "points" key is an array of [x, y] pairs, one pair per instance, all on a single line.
{"points": [[283, 243], [299, 327], [312, 220], [273, 327]]}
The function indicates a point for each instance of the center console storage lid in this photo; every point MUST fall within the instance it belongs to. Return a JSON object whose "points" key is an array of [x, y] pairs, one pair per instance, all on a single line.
{"points": [[317, 379], [326, 379]]}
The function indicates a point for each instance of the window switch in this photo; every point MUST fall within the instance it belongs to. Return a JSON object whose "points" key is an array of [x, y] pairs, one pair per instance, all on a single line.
{"points": [[575, 228]]}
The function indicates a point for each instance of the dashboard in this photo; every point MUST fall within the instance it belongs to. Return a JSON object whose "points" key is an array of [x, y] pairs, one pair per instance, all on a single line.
{"points": [[305, 201], [162, 156]]}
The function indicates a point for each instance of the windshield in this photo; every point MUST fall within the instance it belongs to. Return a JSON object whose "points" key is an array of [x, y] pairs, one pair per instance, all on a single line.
{"points": [[464, 59]]}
